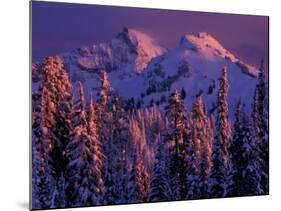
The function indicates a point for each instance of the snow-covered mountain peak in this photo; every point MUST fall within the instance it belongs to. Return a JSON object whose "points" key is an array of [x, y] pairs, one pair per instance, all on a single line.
{"points": [[144, 46], [128, 52], [141, 39], [187, 44], [205, 45]]}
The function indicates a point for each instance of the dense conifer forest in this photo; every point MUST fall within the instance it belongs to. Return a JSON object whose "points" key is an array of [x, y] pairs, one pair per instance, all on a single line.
{"points": [[107, 150]]}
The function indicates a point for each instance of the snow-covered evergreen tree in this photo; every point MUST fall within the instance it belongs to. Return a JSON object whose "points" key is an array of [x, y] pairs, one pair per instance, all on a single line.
{"points": [[116, 171], [43, 181], [159, 188], [110, 194], [153, 125], [59, 88], [134, 186], [202, 133], [104, 111], [192, 173], [220, 155], [36, 138], [120, 131], [260, 125], [105, 89], [55, 123], [244, 176], [176, 131], [144, 134], [84, 179], [199, 152], [105, 126], [205, 164], [98, 154]]}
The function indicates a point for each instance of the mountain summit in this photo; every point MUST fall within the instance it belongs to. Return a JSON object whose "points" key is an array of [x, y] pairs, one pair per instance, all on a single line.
{"points": [[142, 45], [130, 51], [211, 49]]}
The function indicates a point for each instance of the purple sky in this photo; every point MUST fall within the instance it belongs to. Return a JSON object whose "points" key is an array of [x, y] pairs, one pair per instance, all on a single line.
{"points": [[60, 27]]}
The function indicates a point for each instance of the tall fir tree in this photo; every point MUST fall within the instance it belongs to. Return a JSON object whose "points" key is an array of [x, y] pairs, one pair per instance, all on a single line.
{"points": [[60, 89], [105, 133], [55, 97], [98, 154], [220, 156], [36, 137], [199, 151], [84, 181], [244, 176], [192, 173], [105, 89], [160, 190], [176, 131], [260, 124], [104, 110], [120, 131], [110, 194], [135, 194], [141, 133], [43, 181]]}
